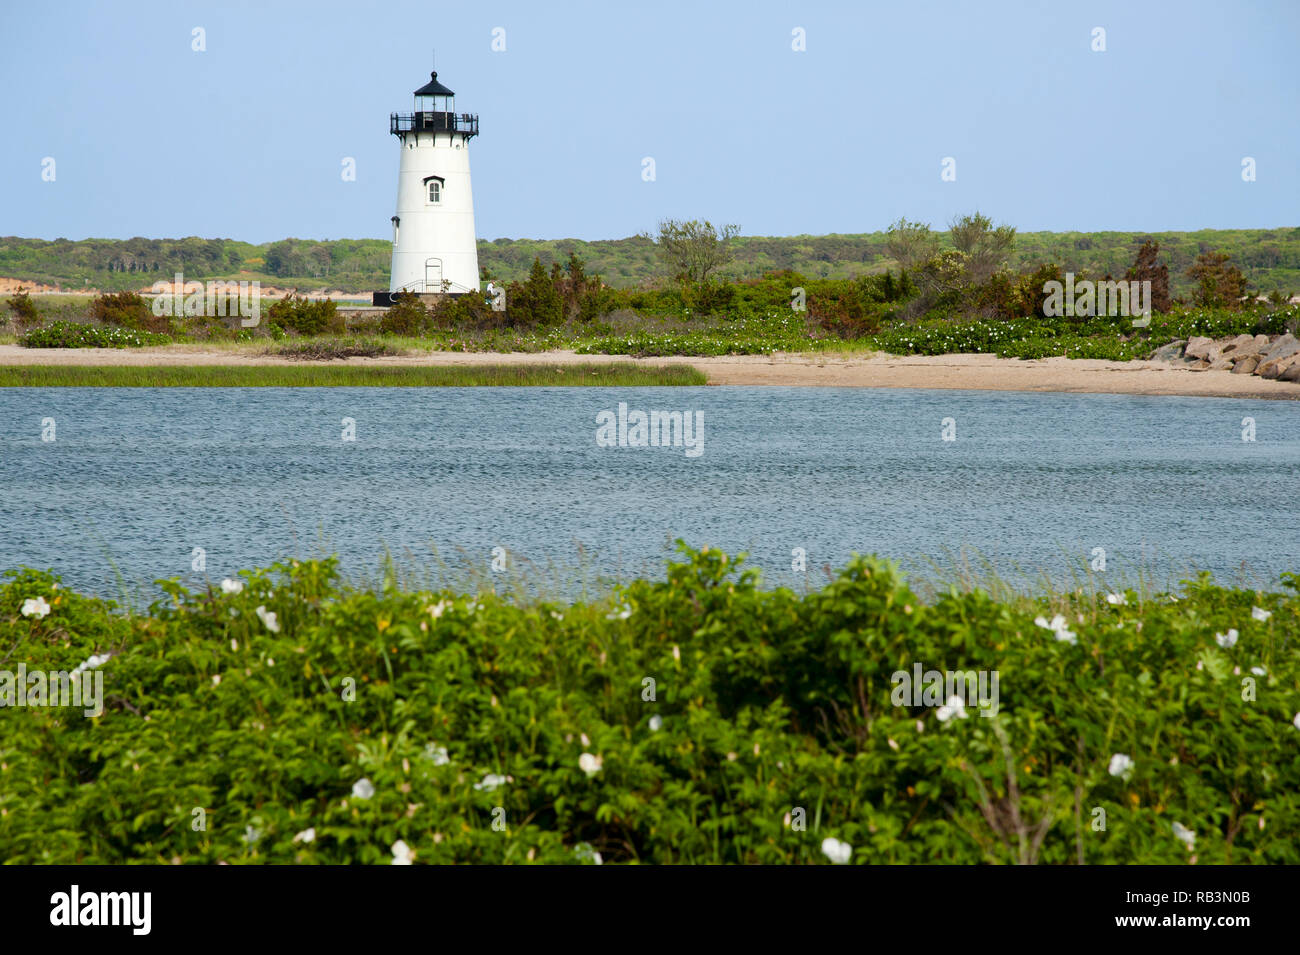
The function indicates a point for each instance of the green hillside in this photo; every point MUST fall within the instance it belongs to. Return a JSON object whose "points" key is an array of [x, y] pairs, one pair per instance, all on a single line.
{"points": [[1269, 257]]}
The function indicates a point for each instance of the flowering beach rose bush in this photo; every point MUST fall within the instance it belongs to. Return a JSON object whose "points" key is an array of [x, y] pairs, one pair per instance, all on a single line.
{"points": [[698, 718]]}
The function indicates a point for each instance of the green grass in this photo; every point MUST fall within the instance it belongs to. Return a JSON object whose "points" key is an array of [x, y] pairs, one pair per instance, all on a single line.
{"points": [[313, 376]]}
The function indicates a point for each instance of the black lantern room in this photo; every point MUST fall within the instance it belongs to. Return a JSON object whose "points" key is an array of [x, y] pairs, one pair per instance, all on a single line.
{"points": [[435, 112]]}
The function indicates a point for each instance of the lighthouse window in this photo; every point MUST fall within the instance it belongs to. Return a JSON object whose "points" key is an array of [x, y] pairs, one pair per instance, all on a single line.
{"points": [[435, 190]]}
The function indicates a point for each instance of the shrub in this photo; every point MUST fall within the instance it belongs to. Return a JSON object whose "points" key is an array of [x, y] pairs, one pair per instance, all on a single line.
{"points": [[81, 335], [305, 316], [370, 717], [1146, 268], [466, 313], [332, 350], [406, 316], [128, 310], [708, 298], [1218, 284], [534, 302], [24, 309]]}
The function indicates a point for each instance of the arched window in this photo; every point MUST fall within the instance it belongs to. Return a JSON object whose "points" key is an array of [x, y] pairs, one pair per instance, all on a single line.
{"points": [[435, 190]]}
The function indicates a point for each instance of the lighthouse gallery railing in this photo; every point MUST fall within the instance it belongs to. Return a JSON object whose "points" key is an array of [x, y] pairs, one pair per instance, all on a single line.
{"points": [[466, 123]]}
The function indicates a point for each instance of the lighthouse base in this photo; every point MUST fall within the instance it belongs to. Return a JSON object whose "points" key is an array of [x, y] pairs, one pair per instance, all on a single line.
{"points": [[387, 299]]}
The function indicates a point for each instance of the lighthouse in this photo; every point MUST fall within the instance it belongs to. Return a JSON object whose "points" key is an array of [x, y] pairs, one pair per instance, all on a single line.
{"points": [[434, 248]]}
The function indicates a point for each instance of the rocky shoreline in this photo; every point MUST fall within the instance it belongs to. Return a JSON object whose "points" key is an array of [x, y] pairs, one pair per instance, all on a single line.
{"points": [[1276, 357]]}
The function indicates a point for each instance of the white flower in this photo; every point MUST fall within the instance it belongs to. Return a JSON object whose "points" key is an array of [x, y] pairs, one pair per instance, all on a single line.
{"points": [[95, 660], [1258, 671], [1116, 600], [587, 853], [268, 617], [1259, 613], [438, 754], [401, 853], [590, 764], [1120, 765], [490, 782], [363, 789], [1296, 722], [1185, 834], [1057, 626], [557, 615], [35, 607], [251, 835], [621, 612], [229, 586], [307, 835], [838, 852], [955, 706], [656, 723], [436, 610], [1226, 640]]}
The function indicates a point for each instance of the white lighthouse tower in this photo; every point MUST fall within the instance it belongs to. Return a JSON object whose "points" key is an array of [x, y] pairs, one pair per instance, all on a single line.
{"points": [[434, 248]]}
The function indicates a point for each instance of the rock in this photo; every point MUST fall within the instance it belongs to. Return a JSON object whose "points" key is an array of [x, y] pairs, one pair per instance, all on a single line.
{"points": [[1171, 352], [1285, 345], [1245, 365], [1199, 347], [1273, 367], [1240, 346], [1221, 364], [1291, 372], [1194, 364]]}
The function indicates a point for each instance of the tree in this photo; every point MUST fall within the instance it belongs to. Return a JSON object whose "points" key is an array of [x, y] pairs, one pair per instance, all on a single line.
{"points": [[535, 301], [1218, 283], [911, 243], [694, 249], [1147, 269], [986, 247]]}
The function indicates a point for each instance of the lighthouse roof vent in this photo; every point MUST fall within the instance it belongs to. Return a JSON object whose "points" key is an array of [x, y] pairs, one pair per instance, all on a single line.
{"points": [[433, 88]]}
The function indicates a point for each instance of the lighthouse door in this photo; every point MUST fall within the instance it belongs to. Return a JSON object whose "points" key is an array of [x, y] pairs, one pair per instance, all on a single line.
{"points": [[433, 275]]}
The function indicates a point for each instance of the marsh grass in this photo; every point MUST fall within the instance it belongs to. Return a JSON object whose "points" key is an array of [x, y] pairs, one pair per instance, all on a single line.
{"points": [[315, 376]]}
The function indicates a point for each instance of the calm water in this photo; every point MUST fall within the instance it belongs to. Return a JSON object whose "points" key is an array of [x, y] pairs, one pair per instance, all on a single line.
{"points": [[136, 478]]}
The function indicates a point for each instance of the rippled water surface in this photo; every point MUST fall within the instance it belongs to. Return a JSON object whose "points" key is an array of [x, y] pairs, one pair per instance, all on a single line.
{"points": [[137, 478]]}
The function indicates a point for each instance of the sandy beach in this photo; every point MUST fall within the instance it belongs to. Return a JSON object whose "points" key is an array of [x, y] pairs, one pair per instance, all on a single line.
{"points": [[950, 372]]}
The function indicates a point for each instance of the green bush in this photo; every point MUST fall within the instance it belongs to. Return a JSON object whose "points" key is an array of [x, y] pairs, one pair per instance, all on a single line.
{"points": [[536, 301], [81, 335], [24, 309], [297, 720], [128, 310], [297, 313], [406, 316]]}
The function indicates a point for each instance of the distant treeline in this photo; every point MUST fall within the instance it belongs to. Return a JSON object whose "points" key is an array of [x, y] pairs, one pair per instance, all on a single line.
{"points": [[1270, 258]]}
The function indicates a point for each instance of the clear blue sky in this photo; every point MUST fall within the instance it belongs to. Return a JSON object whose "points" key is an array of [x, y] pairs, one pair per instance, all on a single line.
{"points": [[246, 140]]}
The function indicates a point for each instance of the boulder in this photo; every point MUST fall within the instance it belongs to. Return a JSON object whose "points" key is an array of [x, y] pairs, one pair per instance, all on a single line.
{"points": [[1204, 349], [1240, 347], [1220, 364], [1171, 352], [1291, 372], [1246, 365], [1283, 346], [1273, 367]]}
